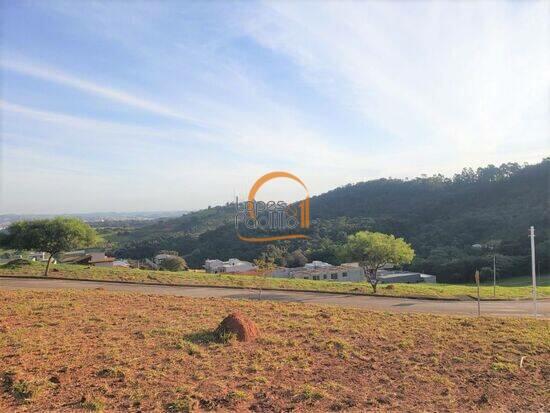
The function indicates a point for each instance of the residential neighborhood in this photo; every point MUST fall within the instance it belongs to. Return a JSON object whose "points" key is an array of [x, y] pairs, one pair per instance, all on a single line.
{"points": [[274, 206]]}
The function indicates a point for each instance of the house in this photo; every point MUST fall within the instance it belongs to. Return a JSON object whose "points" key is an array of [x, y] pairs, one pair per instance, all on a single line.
{"points": [[351, 272], [38, 256], [97, 258], [121, 263], [317, 264], [231, 266], [409, 277], [318, 270], [213, 266]]}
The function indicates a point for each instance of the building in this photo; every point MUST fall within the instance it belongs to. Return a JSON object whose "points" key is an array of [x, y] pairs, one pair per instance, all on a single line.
{"points": [[231, 266], [96, 258], [38, 256], [318, 270], [409, 277], [351, 272], [121, 264]]}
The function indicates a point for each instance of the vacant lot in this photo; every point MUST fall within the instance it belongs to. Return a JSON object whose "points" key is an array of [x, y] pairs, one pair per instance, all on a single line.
{"points": [[96, 350], [249, 281]]}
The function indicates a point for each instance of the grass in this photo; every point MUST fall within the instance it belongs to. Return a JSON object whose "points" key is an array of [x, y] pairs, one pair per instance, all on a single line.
{"points": [[104, 351], [249, 281], [521, 281]]}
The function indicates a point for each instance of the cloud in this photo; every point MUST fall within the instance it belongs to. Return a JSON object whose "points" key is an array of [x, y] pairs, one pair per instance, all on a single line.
{"points": [[54, 75], [455, 79], [334, 92]]}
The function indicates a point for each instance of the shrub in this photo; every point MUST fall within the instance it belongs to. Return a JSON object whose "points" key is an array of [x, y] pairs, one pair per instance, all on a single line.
{"points": [[173, 264]]}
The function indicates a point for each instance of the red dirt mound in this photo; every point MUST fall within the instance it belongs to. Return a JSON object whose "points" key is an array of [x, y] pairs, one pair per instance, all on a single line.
{"points": [[240, 325]]}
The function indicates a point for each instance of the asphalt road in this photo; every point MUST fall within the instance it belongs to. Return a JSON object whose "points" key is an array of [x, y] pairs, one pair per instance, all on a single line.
{"points": [[493, 308]]}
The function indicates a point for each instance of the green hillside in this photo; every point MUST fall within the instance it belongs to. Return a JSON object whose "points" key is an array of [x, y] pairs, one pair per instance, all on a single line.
{"points": [[441, 217]]}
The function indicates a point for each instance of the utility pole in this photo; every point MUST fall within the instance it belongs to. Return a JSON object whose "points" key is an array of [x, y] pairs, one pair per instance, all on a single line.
{"points": [[476, 276], [533, 272], [494, 275]]}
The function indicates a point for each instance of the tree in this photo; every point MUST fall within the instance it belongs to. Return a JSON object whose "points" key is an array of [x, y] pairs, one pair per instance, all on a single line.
{"points": [[50, 235], [372, 250], [173, 264], [296, 259]]}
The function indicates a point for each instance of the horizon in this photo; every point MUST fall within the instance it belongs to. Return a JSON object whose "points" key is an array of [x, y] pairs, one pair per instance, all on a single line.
{"points": [[224, 203], [102, 111]]}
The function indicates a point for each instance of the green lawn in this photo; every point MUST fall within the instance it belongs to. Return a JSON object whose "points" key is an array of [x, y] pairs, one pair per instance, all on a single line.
{"points": [[248, 281], [524, 280]]}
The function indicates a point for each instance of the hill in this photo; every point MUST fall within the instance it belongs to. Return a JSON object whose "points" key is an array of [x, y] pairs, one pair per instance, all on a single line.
{"points": [[441, 217]]}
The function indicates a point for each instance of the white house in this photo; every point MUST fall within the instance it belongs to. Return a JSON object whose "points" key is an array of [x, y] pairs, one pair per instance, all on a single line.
{"points": [[318, 270], [38, 256], [232, 266], [121, 263], [96, 258]]}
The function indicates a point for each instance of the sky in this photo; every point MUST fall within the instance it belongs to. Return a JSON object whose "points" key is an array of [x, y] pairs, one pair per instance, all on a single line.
{"points": [[161, 105]]}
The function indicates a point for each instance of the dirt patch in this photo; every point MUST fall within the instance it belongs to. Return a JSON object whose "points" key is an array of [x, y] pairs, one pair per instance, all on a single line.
{"points": [[71, 350], [239, 325]]}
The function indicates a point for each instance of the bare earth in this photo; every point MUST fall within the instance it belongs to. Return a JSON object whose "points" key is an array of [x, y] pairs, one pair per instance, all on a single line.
{"points": [[93, 350], [469, 307]]}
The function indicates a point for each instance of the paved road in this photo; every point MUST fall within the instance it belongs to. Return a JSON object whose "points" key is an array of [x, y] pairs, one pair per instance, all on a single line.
{"points": [[496, 308]]}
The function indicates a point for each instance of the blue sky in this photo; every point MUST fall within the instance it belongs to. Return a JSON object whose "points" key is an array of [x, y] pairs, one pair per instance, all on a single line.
{"points": [[126, 106]]}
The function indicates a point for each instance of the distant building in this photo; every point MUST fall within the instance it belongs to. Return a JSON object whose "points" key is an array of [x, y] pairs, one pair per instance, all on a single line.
{"points": [[121, 263], [318, 270], [351, 272], [317, 264], [38, 256], [94, 257], [231, 266], [410, 277]]}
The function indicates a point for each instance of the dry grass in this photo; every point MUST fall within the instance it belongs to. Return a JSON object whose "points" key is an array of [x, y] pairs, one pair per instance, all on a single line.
{"points": [[95, 350], [249, 281]]}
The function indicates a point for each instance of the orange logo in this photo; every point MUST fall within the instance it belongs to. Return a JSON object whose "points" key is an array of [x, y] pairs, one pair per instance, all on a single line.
{"points": [[272, 216]]}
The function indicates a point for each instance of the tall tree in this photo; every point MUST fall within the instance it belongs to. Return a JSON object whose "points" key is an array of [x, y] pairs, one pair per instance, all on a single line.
{"points": [[372, 250], [50, 235]]}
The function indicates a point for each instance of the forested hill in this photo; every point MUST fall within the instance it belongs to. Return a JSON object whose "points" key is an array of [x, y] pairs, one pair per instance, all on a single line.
{"points": [[441, 217]]}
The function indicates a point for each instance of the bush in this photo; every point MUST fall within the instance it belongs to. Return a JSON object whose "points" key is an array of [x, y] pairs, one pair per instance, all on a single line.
{"points": [[173, 264]]}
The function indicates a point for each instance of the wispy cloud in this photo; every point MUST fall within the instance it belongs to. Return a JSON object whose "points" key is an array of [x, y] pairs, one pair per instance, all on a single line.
{"points": [[55, 75], [334, 91], [458, 77]]}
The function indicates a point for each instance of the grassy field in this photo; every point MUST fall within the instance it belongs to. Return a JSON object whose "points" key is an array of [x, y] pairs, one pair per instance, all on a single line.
{"points": [[248, 281], [97, 351], [526, 280]]}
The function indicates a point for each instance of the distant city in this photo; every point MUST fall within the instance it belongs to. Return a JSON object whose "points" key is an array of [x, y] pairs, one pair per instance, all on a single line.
{"points": [[94, 217]]}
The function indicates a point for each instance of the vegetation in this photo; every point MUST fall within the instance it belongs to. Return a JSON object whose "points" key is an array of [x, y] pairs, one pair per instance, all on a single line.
{"points": [[440, 217], [49, 235], [173, 264], [250, 281], [125, 353], [373, 250]]}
